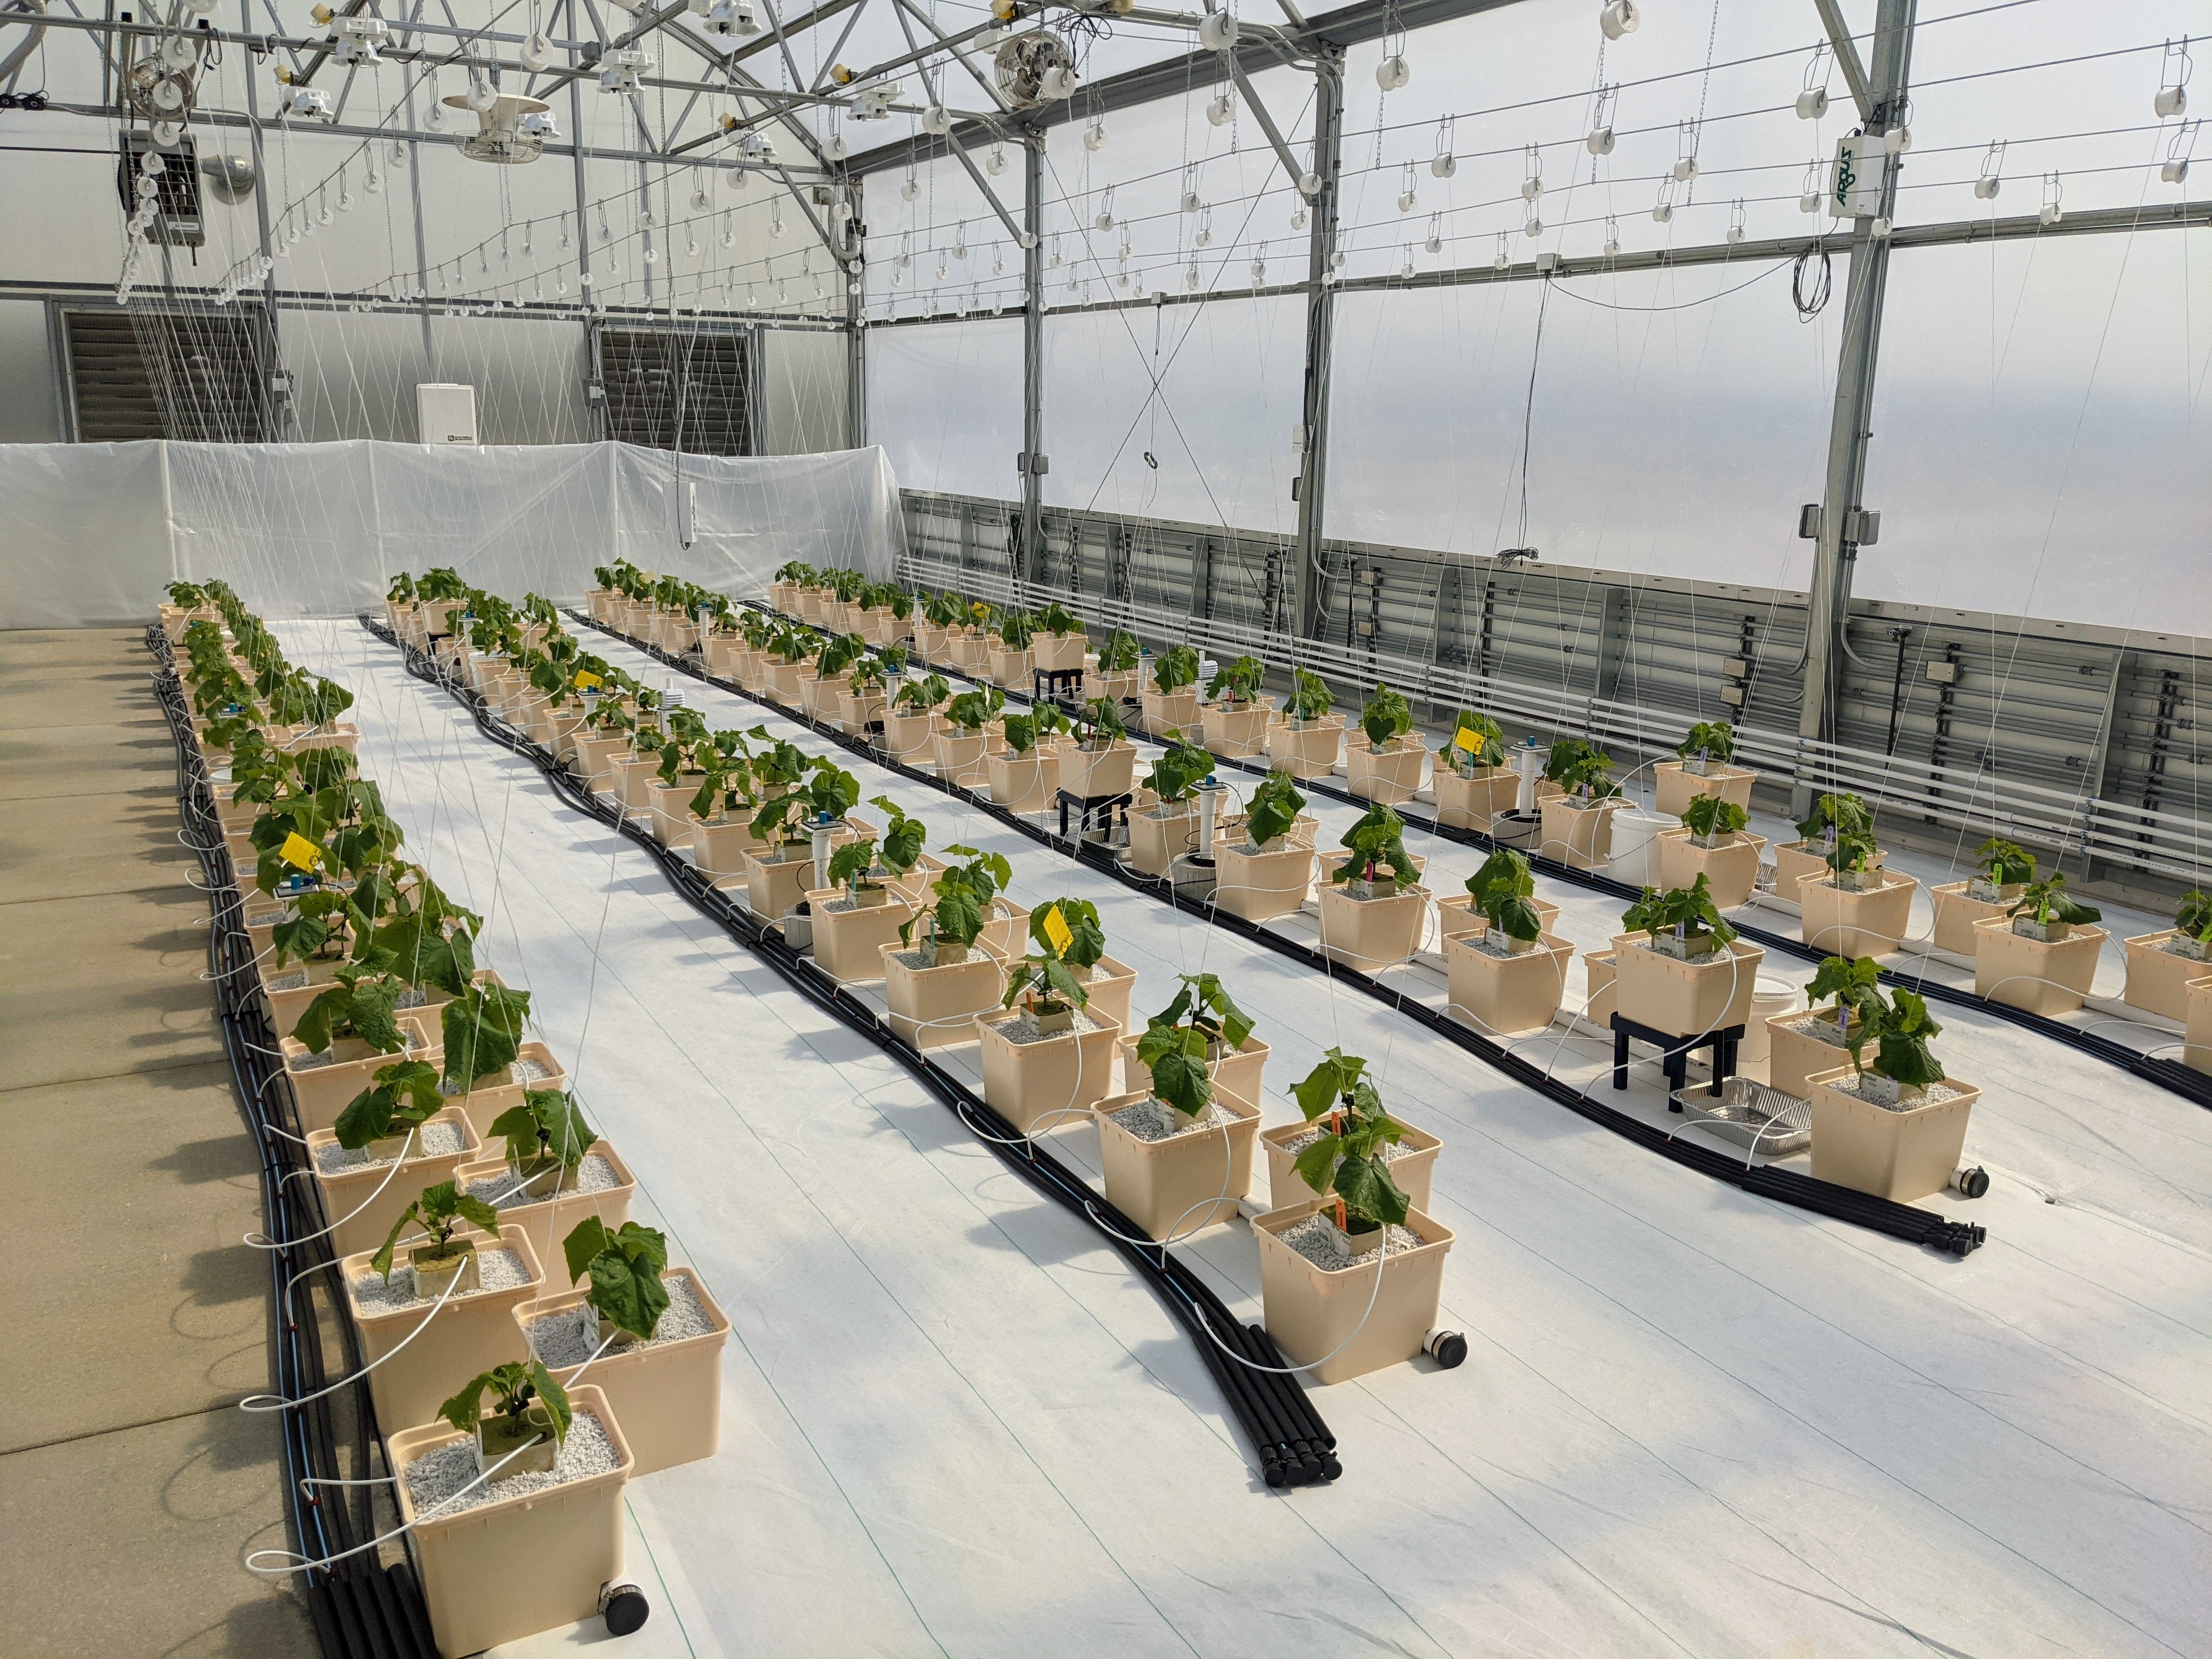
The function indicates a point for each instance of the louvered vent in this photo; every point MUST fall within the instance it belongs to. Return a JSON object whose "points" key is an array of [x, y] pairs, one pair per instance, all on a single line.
{"points": [[667, 389], [136, 373], [177, 218]]}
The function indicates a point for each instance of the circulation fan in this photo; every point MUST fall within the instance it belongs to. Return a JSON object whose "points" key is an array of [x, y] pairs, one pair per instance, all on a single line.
{"points": [[1034, 69], [511, 130]]}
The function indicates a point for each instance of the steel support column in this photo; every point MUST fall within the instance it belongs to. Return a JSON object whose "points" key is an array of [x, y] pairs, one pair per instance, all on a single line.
{"points": [[854, 274], [595, 409], [1033, 462], [1849, 426], [1307, 597]]}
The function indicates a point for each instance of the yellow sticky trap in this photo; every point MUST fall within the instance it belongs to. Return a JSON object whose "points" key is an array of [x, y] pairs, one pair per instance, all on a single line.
{"points": [[586, 680], [1466, 740], [300, 853], [1057, 930]]}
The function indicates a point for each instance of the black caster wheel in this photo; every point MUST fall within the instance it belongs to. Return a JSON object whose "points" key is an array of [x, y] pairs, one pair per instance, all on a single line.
{"points": [[625, 1607]]}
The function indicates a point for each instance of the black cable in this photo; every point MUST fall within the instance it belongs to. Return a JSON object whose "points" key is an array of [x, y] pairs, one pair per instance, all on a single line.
{"points": [[1810, 305]]}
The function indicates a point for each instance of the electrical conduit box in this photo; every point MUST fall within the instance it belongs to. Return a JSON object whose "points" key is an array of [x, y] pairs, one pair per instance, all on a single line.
{"points": [[446, 414], [1862, 169]]}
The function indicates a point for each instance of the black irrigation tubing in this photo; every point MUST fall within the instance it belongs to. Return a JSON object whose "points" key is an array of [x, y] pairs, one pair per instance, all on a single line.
{"points": [[361, 1610], [1881, 1215], [1295, 1446], [2171, 1075]]}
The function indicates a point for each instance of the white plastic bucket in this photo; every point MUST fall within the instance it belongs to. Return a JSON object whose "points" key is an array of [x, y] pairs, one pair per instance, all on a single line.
{"points": [[1635, 855], [1769, 996]]}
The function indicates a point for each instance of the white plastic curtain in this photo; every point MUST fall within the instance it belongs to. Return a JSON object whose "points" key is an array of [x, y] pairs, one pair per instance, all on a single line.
{"points": [[94, 530]]}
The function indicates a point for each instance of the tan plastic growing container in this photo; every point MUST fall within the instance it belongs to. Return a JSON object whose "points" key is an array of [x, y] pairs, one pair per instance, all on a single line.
{"points": [[1344, 1324], [719, 849], [1169, 713], [1108, 771], [1060, 652], [1684, 999], [596, 757], [1678, 789], [513, 1566], [1794, 860], [936, 1007], [1505, 996], [969, 651], [2158, 980], [1023, 783], [2197, 1047], [774, 886], [857, 710], [1111, 986], [323, 1091], [1372, 934], [911, 740], [1173, 1188], [1259, 885], [1470, 802], [1030, 1085], [2026, 973], [1120, 685], [1956, 915], [1794, 1059], [635, 778], [494, 1094], [669, 1394], [1157, 840], [1599, 970], [1730, 870], [362, 1204], [671, 806], [780, 681], [848, 944], [468, 1336], [1238, 1076], [1013, 669], [1236, 731], [1306, 751], [1457, 918], [961, 756], [817, 698], [1897, 1155], [1838, 923], [550, 1220], [1579, 837], [1390, 775], [1006, 930], [1414, 1169]]}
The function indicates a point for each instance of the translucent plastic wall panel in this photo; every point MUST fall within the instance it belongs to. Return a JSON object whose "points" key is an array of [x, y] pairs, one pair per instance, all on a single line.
{"points": [[1229, 376], [947, 225], [2040, 447], [1526, 74], [806, 381], [1668, 436], [2070, 89], [1115, 217], [945, 400]]}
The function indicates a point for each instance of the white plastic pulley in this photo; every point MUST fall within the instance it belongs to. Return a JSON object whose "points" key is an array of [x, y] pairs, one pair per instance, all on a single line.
{"points": [[1735, 233], [1407, 201], [1094, 136], [1217, 32], [1309, 186], [167, 133], [1896, 140], [1812, 103], [1027, 240], [2170, 100], [1221, 110], [699, 199], [1444, 165], [1664, 213], [1685, 168], [537, 54], [1392, 72], [1879, 230], [1808, 203], [937, 119], [837, 149], [1619, 17], [1059, 83], [1435, 244], [1297, 219], [910, 189], [1190, 203], [481, 94], [2175, 172], [1533, 228], [734, 179], [1985, 190], [1531, 188], [994, 163], [1600, 142]]}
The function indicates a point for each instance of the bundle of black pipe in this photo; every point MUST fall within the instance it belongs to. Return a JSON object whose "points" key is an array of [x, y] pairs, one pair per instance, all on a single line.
{"points": [[1293, 1446]]}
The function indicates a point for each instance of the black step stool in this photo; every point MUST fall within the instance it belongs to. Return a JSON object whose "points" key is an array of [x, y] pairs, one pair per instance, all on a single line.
{"points": [[1089, 808], [1675, 1052]]}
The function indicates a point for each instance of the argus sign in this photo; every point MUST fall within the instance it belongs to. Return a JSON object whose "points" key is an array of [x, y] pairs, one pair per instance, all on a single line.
{"points": [[1862, 169]]}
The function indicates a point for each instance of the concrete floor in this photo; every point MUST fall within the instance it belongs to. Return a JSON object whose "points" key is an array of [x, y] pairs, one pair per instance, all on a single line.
{"points": [[124, 1463]]}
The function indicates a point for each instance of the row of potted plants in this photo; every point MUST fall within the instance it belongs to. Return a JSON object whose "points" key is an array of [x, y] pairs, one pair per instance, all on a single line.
{"points": [[434, 1124]]}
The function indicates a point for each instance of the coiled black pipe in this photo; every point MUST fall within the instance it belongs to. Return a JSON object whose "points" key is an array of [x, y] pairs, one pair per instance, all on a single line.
{"points": [[360, 1609], [1881, 1215], [1268, 1407]]}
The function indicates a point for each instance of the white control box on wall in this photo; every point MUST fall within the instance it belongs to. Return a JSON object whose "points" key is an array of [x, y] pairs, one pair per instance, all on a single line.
{"points": [[446, 414]]}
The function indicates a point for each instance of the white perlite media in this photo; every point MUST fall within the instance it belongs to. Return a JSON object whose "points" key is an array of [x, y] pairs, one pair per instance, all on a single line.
{"points": [[1018, 1030], [1317, 1239], [1933, 1095], [496, 1270], [1149, 1120], [504, 1191], [529, 1071], [286, 982], [1391, 1151], [558, 1340], [1821, 1027], [431, 1141], [434, 1477]]}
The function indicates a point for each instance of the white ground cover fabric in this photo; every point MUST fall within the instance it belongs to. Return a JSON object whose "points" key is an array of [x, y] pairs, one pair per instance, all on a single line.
{"points": [[1690, 1420]]}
